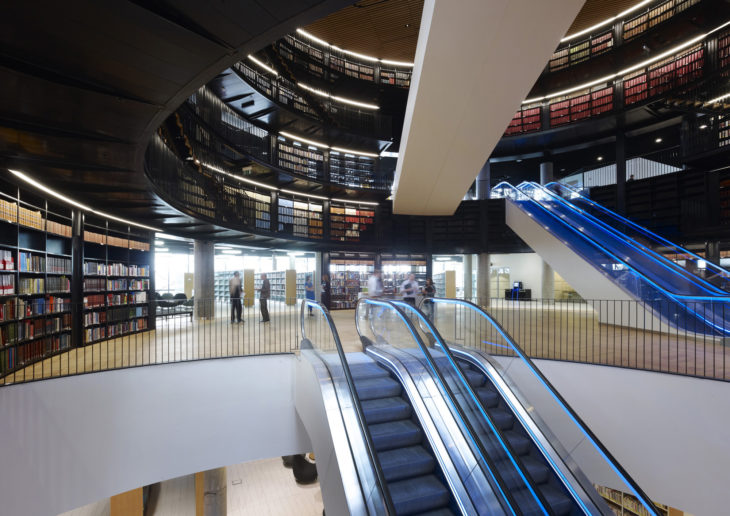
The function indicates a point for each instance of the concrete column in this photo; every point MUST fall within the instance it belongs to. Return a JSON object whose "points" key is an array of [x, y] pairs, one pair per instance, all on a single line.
{"points": [[712, 252], [292, 262], [620, 171], [548, 276], [546, 172], [548, 281], [468, 294], [483, 277], [483, 182], [317, 276], [204, 280]]}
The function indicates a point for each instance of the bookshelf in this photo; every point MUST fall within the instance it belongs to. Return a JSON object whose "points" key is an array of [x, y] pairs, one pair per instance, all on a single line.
{"points": [[351, 170], [308, 162], [116, 282], [35, 271], [350, 224], [300, 219], [624, 504], [396, 269], [348, 277], [283, 286]]}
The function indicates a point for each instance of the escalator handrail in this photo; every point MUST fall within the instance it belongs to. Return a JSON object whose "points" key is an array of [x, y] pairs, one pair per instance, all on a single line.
{"points": [[526, 476], [637, 491], [679, 299], [377, 468], [654, 236], [492, 469], [676, 297], [650, 253]]}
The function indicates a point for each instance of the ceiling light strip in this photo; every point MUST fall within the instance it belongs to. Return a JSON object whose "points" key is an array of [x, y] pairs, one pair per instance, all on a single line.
{"points": [[292, 192], [325, 146], [314, 38], [339, 99], [262, 65], [70, 201], [606, 21], [628, 70], [350, 201], [239, 178], [718, 99]]}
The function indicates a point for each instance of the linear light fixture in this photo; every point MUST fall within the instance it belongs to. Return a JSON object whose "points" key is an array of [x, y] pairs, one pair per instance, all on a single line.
{"points": [[630, 69], [606, 21], [70, 201], [339, 99], [239, 178], [350, 201], [300, 139], [718, 99], [303, 194], [350, 52], [263, 65], [350, 151]]}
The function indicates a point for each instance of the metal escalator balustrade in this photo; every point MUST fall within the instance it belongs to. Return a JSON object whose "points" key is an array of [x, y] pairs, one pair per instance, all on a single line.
{"points": [[633, 230], [573, 451], [709, 315], [666, 273]]}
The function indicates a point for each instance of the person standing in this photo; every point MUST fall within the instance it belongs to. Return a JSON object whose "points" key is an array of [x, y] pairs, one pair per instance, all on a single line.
{"points": [[264, 294], [309, 292], [375, 284], [234, 289], [326, 290], [429, 290], [409, 289]]}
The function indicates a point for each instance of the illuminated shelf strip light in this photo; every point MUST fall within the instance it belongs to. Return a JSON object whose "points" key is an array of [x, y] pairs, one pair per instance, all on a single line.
{"points": [[70, 201], [354, 54], [335, 97], [325, 146], [263, 65], [718, 99], [269, 187], [628, 70], [606, 21]]}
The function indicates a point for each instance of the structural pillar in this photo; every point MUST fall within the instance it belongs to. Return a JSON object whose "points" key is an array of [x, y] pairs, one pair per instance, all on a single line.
{"points": [[318, 276], [484, 182], [77, 265], [620, 171], [204, 280], [468, 294], [483, 277], [712, 252], [548, 276]]}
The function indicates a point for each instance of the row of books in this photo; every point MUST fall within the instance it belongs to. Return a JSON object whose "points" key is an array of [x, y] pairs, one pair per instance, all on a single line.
{"points": [[126, 327], [99, 238], [28, 262], [7, 284], [94, 284], [41, 285], [101, 300], [58, 228], [92, 318], [16, 356], [138, 284], [121, 314], [7, 262], [19, 308], [32, 328]]}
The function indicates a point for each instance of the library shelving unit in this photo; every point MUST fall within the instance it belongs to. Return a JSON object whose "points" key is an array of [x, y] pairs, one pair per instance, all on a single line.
{"points": [[397, 267], [624, 504], [351, 170], [283, 285], [300, 218], [348, 277], [306, 161], [35, 285], [350, 223], [116, 282]]}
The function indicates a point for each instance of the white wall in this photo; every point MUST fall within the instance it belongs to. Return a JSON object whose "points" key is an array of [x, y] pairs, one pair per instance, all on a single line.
{"points": [[668, 431], [524, 267], [70, 441]]}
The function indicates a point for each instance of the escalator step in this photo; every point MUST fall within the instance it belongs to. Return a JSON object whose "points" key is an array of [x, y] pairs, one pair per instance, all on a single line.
{"points": [[475, 378], [406, 462], [419, 494], [396, 434], [488, 396], [537, 470], [502, 418], [371, 388], [520, 444], [381, 410], [558, 501], [363, 371], [439, 512]]}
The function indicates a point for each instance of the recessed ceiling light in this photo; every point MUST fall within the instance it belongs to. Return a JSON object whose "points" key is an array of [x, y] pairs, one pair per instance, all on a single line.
{"points": [[519, 161], [703, 126], [600, 158], [658, 140]]}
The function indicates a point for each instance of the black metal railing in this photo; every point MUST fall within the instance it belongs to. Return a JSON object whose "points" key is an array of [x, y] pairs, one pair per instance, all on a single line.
{"points": [[206, 329]]}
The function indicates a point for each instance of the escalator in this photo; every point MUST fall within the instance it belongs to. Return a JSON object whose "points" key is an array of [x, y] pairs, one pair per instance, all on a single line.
{"points": [[562, 458], [396, 452], [601, 262]]}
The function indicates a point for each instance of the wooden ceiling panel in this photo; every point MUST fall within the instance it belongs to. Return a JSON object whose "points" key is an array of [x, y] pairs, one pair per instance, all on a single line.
{"points": [[388, 29]]}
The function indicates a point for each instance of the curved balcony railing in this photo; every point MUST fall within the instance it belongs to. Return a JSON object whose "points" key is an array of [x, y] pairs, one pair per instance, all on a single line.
{"points": [[284, 92], [329, 64], [209, 122]]}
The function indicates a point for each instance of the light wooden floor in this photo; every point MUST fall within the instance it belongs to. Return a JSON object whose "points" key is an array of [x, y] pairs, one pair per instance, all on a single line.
{"points": [[560, 331]]}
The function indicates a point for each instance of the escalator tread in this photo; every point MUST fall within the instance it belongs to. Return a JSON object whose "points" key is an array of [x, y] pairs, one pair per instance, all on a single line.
{"points": [[371, 388], [380, 410], [402, 463], [395, 434], [418, 494]]}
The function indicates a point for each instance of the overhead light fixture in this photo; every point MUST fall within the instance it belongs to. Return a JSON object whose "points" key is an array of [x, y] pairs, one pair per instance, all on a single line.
{"points": [[350, 201], [606, 21], [322, 42], [388, 154], [161, 249], [703, 126], [298, 138], [231, 251], [600, 158], [359, 153], [159, 242], [718, 99], [239, 178], [339, 99], [303, 194], [658, 140], [70, 201], [630, 69], [263, 65]]}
